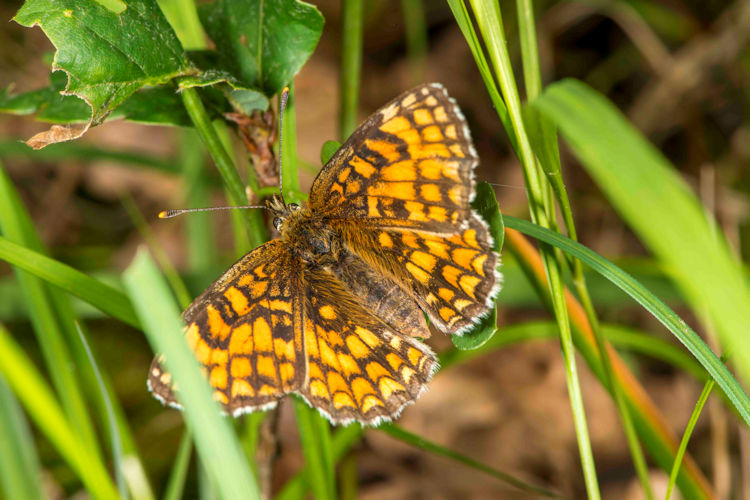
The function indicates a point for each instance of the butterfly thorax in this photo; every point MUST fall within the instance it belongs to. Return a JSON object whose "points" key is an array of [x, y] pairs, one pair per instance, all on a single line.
{"points": [[309, 236]]}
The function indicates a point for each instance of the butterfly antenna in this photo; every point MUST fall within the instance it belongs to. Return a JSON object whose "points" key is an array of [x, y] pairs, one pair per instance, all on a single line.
{"points": [[505, 185], [168, 214], [282, 107]]}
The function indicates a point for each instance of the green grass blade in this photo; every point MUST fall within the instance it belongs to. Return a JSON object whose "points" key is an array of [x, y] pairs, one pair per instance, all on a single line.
{"points": [[686, 436], [37, 398], [96, 293], [317, 461], [20, 471], [421, 443], [621, 337], [84, 153], [16, 225], [222, 160], [290, 178], [658, 206], [173, 277], [650, 302], [118, 458], [183, 17], [214, 438], [467, 28], [341, 442], [415, 27], [176, 483], [201, 247]]}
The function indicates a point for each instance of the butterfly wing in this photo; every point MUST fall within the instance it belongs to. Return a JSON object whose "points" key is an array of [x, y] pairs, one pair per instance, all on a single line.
{"points": [[398, 191], [359, 367], [409, 165], [453, 278], [246, 332]]}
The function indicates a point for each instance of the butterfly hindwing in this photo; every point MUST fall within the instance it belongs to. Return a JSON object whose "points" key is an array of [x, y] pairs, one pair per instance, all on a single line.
{"points": [[359, 368], [246, 332]]}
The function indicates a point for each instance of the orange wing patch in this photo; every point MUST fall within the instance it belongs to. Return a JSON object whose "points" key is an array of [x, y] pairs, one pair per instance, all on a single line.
{"points": [[359, 368], [409, 164], [453, 278], [244, 333]]}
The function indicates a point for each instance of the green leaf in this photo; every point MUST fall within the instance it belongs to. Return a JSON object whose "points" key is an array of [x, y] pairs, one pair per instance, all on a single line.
{"points": [[486, 206], [48, 101], [96, 293], [37, 398], [650, 302], [215, 440], [328, 150], [20, 471], [658, 205], [320, 476], [155, 105], [263, 44], [107, 56]]}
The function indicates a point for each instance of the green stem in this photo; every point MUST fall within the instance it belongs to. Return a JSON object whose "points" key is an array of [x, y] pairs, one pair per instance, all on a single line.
{"points": [[416, 37], [686, 436], [351, 65], [551, 166], [222, 160], [542, 212]]}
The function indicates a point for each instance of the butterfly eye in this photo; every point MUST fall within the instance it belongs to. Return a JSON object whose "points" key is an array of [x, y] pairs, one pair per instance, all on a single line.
{"points": [[277, 223], [293, 206]]}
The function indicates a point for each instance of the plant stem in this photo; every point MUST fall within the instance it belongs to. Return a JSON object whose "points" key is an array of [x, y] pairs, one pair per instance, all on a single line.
{"points": [[351, 65], [222, 160]]}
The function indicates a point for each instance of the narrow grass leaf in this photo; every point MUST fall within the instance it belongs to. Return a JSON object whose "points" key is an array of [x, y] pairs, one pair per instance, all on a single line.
{"points": [[20, 472], [467, 28], [118, 458], [48, 326], [650, 302], [421, 443], [176, 483], [37, 398], [341, 442], [658, 205], [102, 296], [215, 441], [351, 66], [621, 337], [319, 474], [686, 436]]}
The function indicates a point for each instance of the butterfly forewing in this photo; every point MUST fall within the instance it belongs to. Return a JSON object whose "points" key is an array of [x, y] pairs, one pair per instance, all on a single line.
{"points": [[409, 165]]}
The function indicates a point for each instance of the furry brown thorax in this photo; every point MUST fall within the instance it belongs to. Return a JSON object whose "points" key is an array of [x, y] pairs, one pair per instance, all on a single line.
{"points": [[311, 238]]}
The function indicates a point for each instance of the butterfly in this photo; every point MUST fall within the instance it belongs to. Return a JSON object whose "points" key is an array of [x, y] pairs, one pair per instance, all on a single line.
{"points": [[334, 310]]}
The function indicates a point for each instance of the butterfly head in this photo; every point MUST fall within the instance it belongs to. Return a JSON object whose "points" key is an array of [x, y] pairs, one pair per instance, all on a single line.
{"points": [[281, 210]]}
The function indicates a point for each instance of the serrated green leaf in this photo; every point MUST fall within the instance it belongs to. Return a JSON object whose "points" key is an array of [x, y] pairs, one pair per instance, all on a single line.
{"points": [[263, 44], [106, 56], [486, 206]]}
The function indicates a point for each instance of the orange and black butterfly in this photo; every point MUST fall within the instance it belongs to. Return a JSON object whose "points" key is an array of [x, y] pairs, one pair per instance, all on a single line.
{"points": [[334, 309]]}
